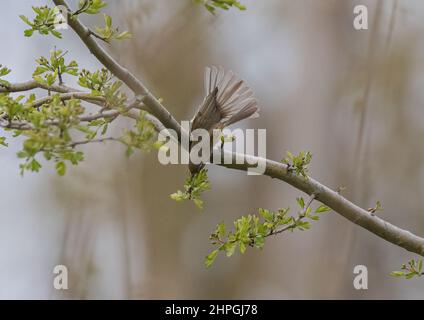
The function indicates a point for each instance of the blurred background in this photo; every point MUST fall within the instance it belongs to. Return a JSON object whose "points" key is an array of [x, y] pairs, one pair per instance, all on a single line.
{"points": [[352, 98]]}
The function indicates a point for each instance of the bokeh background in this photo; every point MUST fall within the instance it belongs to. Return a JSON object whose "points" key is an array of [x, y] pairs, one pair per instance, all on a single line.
{"points": [[353, 98]]}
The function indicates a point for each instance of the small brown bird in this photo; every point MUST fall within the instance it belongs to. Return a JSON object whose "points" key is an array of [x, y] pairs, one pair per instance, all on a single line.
{"points": [[228, 100]]}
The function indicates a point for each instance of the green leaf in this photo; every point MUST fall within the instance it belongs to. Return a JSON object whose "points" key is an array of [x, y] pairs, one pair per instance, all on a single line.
{"points": [[410, 275], [56, 33], [130, 152], [108, 21], [40, 70], [178, 196], [242, 247], [210, 258], [34, 165], [61, 168], [322, 209], [90, 6], [301, 202], [220, 230], [303, 225], [259, 242], [123, 36], [266, 214], [198, 203], [28, 32], [230, 248], [26, 20], [3, 142], [4, 71]]}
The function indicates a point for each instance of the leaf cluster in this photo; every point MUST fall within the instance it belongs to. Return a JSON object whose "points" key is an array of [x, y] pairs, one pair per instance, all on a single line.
{"points": [[47, 19], [44, 22], [89, 7], [101, 84], [109, 33], [252, 230], [4, 71], [414, 268], [50, 129], [194, 186], [212, 5], [142, 137], [298, 164], [48, 70], [52, 141]]}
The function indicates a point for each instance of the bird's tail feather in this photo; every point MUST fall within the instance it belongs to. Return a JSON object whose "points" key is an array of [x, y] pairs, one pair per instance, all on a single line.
{"points": [[235, 99]]}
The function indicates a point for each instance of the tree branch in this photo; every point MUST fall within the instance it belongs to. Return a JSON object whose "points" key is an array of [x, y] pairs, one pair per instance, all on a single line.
{"points": [[100, 140], [400, 237], [112, 114], [71, 95], [153, 105], [31, 85]]}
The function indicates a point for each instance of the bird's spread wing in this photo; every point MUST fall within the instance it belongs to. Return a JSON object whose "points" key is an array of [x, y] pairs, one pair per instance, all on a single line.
{"points": [[208, 114]]}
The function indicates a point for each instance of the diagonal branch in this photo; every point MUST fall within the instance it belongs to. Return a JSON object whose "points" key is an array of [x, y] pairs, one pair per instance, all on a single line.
{"points": [[153, 105], [400, 237]]}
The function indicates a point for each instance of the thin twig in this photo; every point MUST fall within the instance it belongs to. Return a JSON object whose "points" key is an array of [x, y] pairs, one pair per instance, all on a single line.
{"points": [[31, 85], [100, 140], [301, 216], [71, 95]]}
